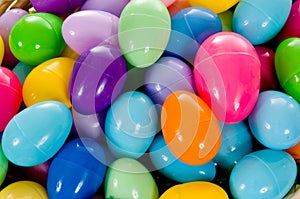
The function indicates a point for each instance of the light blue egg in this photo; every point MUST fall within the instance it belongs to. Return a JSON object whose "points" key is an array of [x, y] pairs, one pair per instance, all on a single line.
{"points": [[130, 124], [274, 121], [263, 174], [236, 143], [260, 20], [167, 164], [36, 133]]}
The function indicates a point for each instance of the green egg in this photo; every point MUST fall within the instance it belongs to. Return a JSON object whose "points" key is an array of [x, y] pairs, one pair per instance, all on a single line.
{"points": [[3, 165], [128, 178], [144, 31]]}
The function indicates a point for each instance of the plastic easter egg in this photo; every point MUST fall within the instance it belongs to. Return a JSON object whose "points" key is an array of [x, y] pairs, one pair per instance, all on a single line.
{"points": [[78, 170], [22, 70], [167, 164], [49, 81], [194, 190], [24, 189], [10, 95], [97, 78], [130, 125], [268, 77], [37, 173], [86, 29], [167, 75], [91, 126], [144, 31], [227, 75], [260, 21], [7, 21], [290, 29], [57, 7], [216, 6], [3, 166], [190, 27], [36, 133], [36, 38], [226, 20], [133, 180], [177, 6], [113, 7], [236, 143], [263, 174], [190, 128], [274, 121], [286, 62], [294, 151]]}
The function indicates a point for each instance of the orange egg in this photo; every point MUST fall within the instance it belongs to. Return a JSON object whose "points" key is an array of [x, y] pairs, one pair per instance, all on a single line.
{"points": [[295, 152], [190, 128]]}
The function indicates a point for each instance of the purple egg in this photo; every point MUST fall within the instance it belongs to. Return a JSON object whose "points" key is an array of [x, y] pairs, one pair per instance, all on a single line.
{"points": [[57, 7], [114, 7], [98, 76], [167, 75], [7, 21]]}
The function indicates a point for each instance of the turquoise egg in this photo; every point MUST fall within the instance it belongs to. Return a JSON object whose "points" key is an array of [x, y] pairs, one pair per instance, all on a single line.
{"points": [[260, 21], [35, 134]]}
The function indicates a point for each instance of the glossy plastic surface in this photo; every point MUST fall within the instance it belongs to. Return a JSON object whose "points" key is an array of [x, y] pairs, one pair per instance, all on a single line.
{"points": [[177, 6], [10, 96], [49, 81], [113, 7], [3, 166], [37, 173], [236, 143], [260, 21], [7, 21], [274, 121], [91, 126], [193, 190], [216, 6], [144, 30], [57, 7], [2, 48], [227, 75], [134, 180], [78, 170], [130, 124], [290, 28], [98, 77], [167, 164], [167, 75], [286, 62], [190, 27], [268, 77], [36, 38], [24, 189], [294, 151], [190, 128], [88, 28], [226, 20], [263, 174], [36, 133]]}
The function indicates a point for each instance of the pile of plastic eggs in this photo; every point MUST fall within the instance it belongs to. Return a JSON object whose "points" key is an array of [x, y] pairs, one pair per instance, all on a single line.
{"points": [[140, 99]]}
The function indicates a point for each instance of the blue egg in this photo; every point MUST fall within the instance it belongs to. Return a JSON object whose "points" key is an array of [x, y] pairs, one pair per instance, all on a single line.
{"points": [[77, 171], [130, 124], [265, 173], [236, 143], [167, 164], [260, 20], [22, 70], [274, 121], [190, 27], [36, 133]]}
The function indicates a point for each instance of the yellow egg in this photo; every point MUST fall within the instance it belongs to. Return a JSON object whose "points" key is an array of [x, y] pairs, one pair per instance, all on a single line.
{"points": [[217, 6]]}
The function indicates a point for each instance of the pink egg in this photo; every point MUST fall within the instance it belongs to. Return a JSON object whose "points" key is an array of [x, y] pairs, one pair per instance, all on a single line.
{"points": [[88, 28], [227, 75], [268, 76]]}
